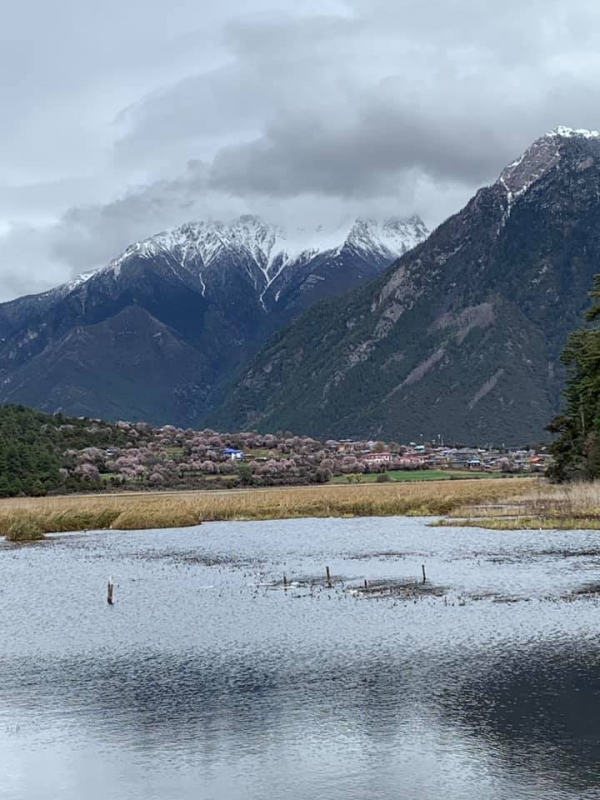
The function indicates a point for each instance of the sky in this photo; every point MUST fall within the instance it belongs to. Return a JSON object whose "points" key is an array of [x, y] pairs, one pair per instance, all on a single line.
{"points": [[121, 119]]}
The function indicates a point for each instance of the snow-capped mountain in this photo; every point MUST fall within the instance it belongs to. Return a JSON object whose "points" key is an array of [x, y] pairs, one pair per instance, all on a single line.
{"points": [[157, 332], [268, 254], [463, 336], [544, 154]]}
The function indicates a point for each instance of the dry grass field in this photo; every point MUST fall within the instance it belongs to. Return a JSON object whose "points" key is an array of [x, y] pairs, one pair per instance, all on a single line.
{"points": [[22, 518], [541, 505]]}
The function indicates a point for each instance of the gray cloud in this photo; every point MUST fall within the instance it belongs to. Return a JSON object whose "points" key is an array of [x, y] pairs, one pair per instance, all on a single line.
{"points": [[454, 94], [129, 118], [354, 104]]}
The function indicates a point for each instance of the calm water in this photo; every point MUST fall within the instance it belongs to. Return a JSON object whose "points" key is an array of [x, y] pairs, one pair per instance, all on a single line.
{"points": [[206, 682]]}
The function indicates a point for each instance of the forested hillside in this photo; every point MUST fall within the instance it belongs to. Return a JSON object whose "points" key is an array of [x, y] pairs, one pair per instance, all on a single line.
{"points": [[461, 338], [33, 447]]}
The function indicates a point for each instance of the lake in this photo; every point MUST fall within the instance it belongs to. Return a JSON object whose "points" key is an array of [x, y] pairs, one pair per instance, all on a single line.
{"points": [[209, 680]]}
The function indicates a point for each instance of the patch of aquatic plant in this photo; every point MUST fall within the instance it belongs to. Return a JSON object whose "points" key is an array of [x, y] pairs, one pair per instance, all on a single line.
{"points": [[24, 529], [317, 581], [384, 555], [589, 590], [402, 589], [194, 558]]}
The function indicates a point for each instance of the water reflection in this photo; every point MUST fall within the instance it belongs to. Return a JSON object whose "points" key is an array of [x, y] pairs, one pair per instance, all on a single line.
{"points": [[539, 706], [202, 684]]}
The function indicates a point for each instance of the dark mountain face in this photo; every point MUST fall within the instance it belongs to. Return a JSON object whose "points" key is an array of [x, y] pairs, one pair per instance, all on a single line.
{"points": [[156, 334], [462, 336]]}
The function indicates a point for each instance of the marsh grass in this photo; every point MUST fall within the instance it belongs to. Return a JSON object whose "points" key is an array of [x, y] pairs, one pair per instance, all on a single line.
{"points": [[24, 529], [183, 509], [543, 505], [522, 523]]}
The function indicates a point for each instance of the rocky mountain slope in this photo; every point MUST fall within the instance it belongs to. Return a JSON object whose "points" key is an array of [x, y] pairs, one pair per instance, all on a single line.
{"points": [[460, 338], [155, 334]]}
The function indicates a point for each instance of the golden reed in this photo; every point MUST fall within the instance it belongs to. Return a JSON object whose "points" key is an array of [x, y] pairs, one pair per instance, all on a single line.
{"points": [[182, 509]]}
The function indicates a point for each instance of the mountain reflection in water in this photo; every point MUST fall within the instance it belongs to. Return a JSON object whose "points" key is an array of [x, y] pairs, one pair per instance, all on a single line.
{"points": [[204, 682]]}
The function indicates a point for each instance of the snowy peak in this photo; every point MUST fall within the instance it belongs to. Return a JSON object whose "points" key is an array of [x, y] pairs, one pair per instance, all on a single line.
{"points": [[572, 133], [264, 251], [161, 330], [392, 237], [266, 243], [543, 155], [206, 239], [476, 316]]}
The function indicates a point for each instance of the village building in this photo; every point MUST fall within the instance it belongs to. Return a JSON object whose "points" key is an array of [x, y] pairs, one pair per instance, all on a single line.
{"points": [[413, 461], [377, 459], [234, 453]]}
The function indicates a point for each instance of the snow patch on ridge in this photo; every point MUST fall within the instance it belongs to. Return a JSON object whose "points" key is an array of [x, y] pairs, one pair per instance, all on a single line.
{"points": [[392, 236], [544, 154], [571, 133], [68, 287], [519, 176]]}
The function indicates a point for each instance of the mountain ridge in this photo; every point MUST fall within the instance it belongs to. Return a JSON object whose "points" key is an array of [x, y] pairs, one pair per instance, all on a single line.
{"points": [[154, 334], [462, 335]]}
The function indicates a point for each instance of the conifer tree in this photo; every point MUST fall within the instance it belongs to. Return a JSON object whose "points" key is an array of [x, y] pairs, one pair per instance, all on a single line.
{"points": [[577, 449]]}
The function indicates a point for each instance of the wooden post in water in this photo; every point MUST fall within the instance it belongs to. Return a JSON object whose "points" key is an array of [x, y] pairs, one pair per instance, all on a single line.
{"points": [[424, 574], [328, 576], [110, 593]]}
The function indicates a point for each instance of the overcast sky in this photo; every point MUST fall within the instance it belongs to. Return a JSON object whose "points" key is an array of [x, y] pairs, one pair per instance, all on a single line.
{"points": [[123, 117]]}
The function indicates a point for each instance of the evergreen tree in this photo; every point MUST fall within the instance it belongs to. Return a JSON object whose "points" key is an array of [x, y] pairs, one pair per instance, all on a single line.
{"points": [[576, 451]]}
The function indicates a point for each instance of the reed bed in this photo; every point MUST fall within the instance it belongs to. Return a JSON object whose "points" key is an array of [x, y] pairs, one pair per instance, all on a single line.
{"points": [[174, 510], [524, 523], [543, 505]]}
